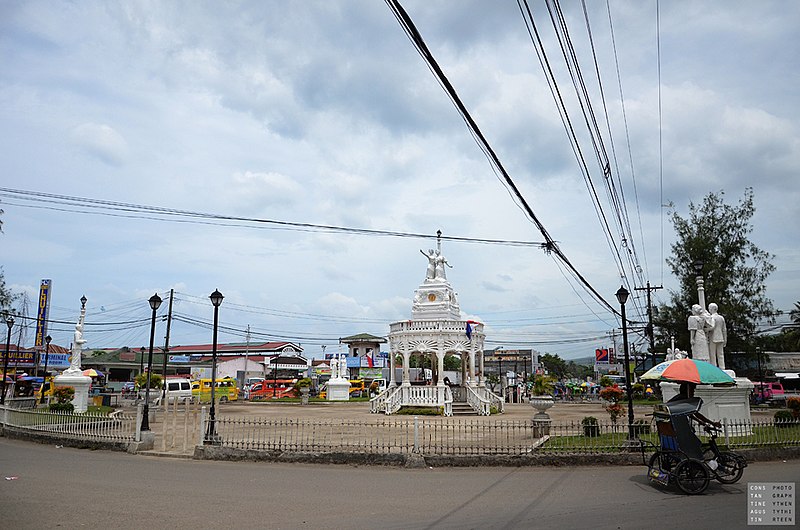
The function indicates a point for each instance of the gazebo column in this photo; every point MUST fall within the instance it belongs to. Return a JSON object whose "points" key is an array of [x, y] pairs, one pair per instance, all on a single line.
{"points": [[392, 362], [440, 368], [464, 361], [472, 366], [481, 381], [406, 377]]}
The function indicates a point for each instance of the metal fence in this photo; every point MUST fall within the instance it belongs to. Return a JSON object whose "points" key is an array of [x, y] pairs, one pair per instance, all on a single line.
{"points": [[115, 427], [452, 436]]}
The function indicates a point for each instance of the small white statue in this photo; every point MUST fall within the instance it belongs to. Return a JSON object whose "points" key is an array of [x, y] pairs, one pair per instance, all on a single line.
{"points": [[334, 367], [343, 367], [674, 354]]}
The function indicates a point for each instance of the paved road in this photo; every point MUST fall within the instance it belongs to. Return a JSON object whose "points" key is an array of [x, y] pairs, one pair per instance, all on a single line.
{"points": [[73, 488]]}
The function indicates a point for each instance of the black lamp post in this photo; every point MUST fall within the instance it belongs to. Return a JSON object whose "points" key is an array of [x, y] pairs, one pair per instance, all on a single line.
{"points": [[10, 324], [155, 302], [47, 340], [622, 297], [211, 434]]}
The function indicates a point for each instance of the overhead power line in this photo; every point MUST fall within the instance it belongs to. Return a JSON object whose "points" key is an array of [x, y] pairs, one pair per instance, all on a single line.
{"points": [[550, 245], [86, 205]]}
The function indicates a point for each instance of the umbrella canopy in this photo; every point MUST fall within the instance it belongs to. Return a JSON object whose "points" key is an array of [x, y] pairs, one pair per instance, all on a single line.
{"points": [[689, 371], [91, 372]]}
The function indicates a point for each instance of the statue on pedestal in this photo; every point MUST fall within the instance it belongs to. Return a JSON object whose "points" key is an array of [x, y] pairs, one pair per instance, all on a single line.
{"points": [[77, 342], [699, 323], [343, 373], [717, 337]]}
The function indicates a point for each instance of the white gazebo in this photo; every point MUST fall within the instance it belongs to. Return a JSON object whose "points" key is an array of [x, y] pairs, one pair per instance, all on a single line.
{"points": [[437, 330]]}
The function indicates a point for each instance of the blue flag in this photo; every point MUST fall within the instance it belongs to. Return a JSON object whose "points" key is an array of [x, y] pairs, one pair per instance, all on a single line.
{"points": [[469, 331]]}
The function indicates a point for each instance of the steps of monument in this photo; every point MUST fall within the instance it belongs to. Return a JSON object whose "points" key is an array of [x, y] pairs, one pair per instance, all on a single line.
{"points": [[463, 409]]}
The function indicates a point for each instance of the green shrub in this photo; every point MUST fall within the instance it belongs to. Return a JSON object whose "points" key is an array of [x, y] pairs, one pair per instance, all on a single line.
{"points": [[590, 427], [63, 394], [606, 381], [421, 411], [784, 418], [62, 407]]}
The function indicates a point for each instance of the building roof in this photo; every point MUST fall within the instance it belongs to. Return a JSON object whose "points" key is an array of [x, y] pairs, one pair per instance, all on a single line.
{"points": [[362, 337], [234, 348]]}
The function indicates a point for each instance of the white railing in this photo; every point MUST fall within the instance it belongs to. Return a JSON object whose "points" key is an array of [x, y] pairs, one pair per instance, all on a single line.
{"points": [[378, 403], [116, 427], [413, 396], [478, 403], [495, 400], [434, 325]]}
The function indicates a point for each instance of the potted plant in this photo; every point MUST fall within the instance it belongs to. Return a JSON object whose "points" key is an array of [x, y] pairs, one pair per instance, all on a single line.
{"points": [[304, 387], [591, 428], [542, 394]]}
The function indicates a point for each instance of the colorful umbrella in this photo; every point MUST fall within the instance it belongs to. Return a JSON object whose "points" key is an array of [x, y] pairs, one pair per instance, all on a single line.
{"points": [[91, 372], [689, 371]]}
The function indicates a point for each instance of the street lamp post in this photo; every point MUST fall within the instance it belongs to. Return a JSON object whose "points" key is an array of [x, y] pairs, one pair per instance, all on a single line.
{"points": [[697, 265], [155, 302], [47, 340], [10, 324], [622, 297], [211, 433]]}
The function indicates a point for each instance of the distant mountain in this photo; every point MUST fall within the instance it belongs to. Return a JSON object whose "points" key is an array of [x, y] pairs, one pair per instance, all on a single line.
{"points": [[585, 361]]}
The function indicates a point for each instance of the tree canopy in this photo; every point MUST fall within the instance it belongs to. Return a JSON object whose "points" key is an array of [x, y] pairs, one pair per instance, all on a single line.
{"points": [[734, 271]]}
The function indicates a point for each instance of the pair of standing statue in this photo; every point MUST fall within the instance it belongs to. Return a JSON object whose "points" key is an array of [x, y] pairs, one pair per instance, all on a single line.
{"points": [[708, 335]]}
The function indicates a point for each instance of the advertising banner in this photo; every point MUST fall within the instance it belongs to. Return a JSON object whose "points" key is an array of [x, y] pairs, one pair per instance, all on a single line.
{"points": [[43, 311], [178, 358], [54, 360], [370, 373]]}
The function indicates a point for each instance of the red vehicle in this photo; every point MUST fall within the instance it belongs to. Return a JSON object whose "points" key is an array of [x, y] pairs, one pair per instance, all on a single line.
{"points": [[273, 388], [768, 392]]}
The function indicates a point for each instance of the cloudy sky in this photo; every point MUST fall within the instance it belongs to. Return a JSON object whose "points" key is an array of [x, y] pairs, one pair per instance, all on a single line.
{"points": [[323, 113]]}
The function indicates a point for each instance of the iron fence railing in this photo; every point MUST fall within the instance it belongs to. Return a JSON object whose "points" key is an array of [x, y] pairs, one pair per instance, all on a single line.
{"points": [[116, 427], [454, 436]]}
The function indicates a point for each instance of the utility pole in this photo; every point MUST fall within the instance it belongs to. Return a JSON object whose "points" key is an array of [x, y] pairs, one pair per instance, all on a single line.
{"points": [[650, 334], [166, 347], [246, 356]]}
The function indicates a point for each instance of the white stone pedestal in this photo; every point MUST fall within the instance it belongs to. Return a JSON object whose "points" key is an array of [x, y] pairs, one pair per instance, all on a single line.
{"points": [[80, 383], [338, 390], [729, 405]]}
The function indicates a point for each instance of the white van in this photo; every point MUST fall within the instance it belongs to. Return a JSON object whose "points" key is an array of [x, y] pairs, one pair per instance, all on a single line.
{"points": [[180, 389]]}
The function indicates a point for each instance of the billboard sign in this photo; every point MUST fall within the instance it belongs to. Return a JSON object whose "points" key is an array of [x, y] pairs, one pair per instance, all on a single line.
{"points": [[43, 311]]}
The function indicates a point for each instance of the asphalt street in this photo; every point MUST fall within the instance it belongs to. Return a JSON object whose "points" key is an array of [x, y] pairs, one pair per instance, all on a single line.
{"points": [[46, 486]]}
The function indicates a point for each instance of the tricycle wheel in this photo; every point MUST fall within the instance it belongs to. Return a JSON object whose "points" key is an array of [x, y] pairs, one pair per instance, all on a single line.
{"points": [[664, 462], [691, 476], [730, 467]]}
